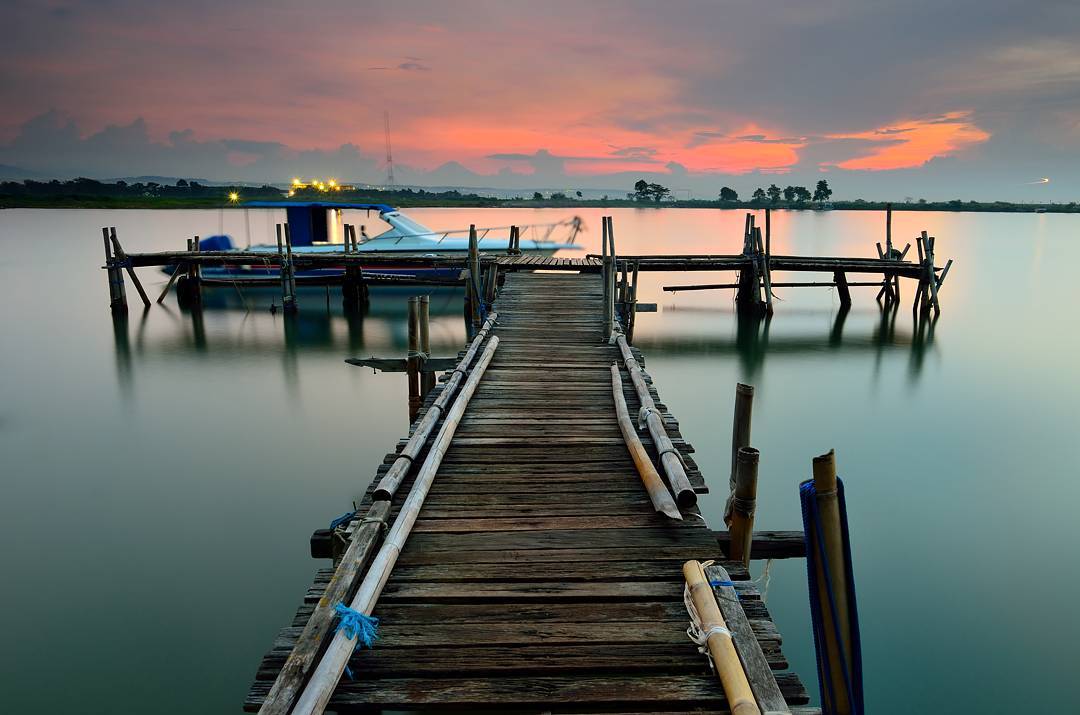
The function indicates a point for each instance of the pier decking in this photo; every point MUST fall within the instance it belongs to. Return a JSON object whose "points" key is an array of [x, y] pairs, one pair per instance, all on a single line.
{"points": [[538, 576]]}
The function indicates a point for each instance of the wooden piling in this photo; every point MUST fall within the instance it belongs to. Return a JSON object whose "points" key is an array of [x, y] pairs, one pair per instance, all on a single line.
{"points": [[117, 295], [120, 256], [413, 359], [842, 290], [834, 609], [743, 504], [290, 272], [427, 376], [740, 437]]}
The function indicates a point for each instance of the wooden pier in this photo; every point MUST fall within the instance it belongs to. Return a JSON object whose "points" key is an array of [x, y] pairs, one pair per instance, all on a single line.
{"points": [[538, 576]]}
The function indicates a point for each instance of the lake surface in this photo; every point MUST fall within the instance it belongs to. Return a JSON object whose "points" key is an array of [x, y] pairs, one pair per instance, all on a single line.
{"points": [[161, 477]]}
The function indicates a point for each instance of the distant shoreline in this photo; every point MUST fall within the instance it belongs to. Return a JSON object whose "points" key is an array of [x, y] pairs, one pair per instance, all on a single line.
{"points": [[163, 203]]}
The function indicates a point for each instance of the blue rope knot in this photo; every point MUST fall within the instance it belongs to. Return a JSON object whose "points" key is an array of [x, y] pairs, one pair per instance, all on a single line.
{"points": [[364, 629]]}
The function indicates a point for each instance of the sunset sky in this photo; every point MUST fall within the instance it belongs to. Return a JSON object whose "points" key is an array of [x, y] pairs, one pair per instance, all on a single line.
{"points": [[886, 100]]}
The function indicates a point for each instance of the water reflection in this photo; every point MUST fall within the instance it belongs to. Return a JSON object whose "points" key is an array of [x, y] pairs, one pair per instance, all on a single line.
{"points": [[230, 324], [753, 339]]}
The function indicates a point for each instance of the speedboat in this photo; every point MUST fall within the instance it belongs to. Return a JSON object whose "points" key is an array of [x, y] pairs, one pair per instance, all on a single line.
{"points": [[318, 227]]}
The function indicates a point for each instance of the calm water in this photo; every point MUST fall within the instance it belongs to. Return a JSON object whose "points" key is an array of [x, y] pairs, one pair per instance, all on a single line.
{"points": [[161, 478]]}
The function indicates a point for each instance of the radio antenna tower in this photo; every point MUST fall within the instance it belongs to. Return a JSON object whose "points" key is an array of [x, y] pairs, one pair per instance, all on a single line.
{"points": [[389, 156]]}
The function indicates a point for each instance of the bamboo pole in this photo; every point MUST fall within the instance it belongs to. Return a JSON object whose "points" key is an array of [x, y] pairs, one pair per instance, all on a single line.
{"points": [[718, 640], [740, 437], [388, 485], [685, 496], [323, 681], [833, 621], [658, 493], [744, 504], [765, 277], [122, 257]]}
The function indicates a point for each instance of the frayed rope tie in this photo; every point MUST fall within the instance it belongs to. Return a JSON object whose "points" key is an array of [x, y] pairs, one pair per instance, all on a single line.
{"points": [[362, 628]]}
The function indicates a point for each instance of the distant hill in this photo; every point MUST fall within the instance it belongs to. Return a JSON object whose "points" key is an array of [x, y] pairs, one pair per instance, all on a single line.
{"points": [[15, 173]]}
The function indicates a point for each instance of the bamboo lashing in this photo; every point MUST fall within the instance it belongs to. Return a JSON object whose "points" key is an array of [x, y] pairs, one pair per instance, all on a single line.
{"points": [[390, 482], [658, 493], [323, 681], [709, 624], [685, 496]]}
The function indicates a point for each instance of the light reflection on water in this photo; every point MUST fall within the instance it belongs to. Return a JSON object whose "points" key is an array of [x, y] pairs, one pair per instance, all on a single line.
{"points": [[173, 465]]}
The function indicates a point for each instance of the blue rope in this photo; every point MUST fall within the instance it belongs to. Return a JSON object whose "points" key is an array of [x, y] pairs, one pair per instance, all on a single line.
{"points": [[364, 629], [852, 672], [343, 519], [721, 583]]}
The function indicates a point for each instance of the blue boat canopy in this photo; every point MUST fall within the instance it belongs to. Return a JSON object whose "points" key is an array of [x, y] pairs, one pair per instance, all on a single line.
{"points": [[307, 219]]}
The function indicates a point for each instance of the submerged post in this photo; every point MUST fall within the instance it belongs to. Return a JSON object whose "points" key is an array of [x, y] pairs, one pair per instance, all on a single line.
{"points": [[842, 290], [740, 437], [744, 504], [117, 295]]}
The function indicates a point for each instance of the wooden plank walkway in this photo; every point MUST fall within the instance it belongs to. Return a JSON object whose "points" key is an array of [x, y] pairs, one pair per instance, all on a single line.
{"points": [[538, 576]]}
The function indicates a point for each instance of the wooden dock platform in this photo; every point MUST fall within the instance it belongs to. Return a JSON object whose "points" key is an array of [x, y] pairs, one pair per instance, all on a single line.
{"points": [[538, 577]]}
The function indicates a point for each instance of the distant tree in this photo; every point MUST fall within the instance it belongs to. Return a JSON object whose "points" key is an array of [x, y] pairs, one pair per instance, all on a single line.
{"points": [[774, 193], [759, 194], [822, 192], [802, 194], [578, 194], [641, 190], [558, 196], [659, 193], [181, 183], [537, 196], [728, 194], [789, 193]]}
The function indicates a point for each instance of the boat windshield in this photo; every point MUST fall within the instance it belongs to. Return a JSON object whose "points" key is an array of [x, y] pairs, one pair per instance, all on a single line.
{"points": [[404, 227]]}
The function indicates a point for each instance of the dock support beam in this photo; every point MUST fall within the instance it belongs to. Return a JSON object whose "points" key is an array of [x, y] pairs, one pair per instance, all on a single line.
{"points": [[117, 294], [353, 291], [288, 282]]}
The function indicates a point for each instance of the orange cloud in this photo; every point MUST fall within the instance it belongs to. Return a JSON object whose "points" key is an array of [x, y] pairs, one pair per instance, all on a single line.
{"points": [[913, 143]]}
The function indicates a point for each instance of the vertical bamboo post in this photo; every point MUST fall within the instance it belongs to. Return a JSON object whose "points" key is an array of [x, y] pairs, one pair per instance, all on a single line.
{"points": [[766, 279], [740, 437], [117, 294], [834, 611], [290, 306], [768, 236], [427, 377], [633, 303], [888, 231], [474, 278], [412, 360], [744, 504], [604, 273], [195, 276]]}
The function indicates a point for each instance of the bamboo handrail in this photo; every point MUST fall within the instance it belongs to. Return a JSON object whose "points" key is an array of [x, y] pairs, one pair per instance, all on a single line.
{"points": [[317, 694], [658, 493], [390, 482], [685, 496]]}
